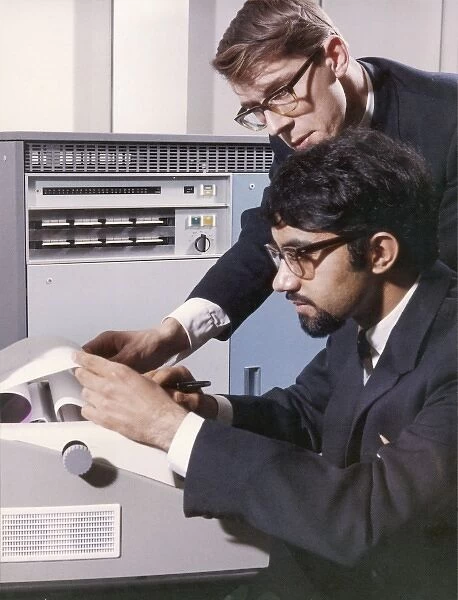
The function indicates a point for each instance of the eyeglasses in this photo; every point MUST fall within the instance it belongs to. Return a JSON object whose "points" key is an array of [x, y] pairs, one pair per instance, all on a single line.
{"points": [[300, 261], [283, 101]]}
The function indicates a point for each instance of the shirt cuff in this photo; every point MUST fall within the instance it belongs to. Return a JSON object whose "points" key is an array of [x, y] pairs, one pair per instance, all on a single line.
{"points": [[201, 320], [184, 439], [225, 411]]}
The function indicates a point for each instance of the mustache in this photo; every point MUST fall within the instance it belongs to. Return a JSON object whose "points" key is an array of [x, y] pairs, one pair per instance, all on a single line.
{"points": [[301, 299]]}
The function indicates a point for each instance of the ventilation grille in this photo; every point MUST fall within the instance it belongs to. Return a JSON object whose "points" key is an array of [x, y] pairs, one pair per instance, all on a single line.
{"points": [[162, 157], [60, 533]]}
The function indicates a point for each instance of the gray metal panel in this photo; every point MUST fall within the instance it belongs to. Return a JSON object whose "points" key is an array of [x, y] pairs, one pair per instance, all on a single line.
{"points": [[269, 349], [79, 300], [12, 244], [146, 157], [156, 538], [132, 153], [57, 136]]}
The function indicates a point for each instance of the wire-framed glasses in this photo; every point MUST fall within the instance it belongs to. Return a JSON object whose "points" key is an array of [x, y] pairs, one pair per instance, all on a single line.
{"points": [[283, 101], [303, 260]]}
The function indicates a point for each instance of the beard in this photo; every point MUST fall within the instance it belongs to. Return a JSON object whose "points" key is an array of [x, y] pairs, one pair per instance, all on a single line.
{"points": [[321, 325]]}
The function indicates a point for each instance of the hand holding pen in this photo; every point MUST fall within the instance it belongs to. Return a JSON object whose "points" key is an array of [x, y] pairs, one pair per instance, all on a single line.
{"points": [[179, 379]]}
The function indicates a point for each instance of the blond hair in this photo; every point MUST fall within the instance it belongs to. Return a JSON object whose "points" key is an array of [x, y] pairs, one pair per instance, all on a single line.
{"points": [[265, 30]]}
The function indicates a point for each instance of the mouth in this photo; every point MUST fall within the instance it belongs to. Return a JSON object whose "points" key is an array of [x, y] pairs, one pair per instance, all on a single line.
{"points": [[302, 142], [305, 310], [301, 303]]}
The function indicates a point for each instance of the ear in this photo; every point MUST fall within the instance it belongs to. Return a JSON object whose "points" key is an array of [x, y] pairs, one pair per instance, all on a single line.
{"points": [[336, 55], [384, 252]]}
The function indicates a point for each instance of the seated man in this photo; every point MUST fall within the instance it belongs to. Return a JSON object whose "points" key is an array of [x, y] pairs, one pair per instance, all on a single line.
{"points": [[354, 465]]}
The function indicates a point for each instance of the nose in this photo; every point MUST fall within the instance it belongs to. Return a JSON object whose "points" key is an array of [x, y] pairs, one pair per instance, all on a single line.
{"points": [[285, 280], [277, 123]]}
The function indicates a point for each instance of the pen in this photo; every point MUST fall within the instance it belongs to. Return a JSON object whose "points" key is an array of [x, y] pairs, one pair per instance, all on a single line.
{"points": [[190, 386]]}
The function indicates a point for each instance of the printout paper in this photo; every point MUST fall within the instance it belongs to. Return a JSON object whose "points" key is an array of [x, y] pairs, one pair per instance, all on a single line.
{"points": [[36, 381]]}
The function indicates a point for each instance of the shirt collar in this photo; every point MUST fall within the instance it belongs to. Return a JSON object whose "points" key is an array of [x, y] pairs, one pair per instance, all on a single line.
{"points": [[369, 110], [378, 335]]}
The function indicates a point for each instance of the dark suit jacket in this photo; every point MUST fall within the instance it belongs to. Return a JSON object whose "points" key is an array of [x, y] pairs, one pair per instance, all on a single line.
{"points": [[316, 473], [413, 106]]}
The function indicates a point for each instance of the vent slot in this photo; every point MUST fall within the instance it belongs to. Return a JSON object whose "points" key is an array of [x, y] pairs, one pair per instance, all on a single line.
{"points": [[160, 157], [60, 533]]}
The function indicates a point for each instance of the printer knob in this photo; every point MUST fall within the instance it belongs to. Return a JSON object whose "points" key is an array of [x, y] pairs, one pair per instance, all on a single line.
{"points": [[76, 457]]}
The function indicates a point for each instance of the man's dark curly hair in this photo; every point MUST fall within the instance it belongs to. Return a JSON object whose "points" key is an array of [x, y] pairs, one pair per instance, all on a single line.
{"points": [[360, 182]]}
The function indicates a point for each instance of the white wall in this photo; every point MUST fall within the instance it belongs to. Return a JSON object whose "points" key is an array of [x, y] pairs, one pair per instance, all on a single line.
{"points": [[63, 67], [150, 66], [36, 67], [201, 49], [449, 46], [225, 101], [54, 55], [408, 31]]}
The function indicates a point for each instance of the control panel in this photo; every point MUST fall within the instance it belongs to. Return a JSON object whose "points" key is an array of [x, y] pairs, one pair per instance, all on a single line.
{"points": [[106, 218]]}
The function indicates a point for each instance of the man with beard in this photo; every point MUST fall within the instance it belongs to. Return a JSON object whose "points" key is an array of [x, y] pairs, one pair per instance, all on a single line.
{"points": [[353, 466]]}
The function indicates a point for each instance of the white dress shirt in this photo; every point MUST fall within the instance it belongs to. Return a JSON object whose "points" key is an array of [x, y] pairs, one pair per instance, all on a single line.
{"points": [[202, 320]]}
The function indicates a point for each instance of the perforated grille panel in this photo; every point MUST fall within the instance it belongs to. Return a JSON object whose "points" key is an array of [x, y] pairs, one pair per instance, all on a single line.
{"points": [[59, 533], [161, 157]]}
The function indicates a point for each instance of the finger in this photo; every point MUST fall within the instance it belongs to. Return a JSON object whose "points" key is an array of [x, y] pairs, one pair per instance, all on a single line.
{"points": [[103, 344], [164, 375], [125, 357], [88, 379], [150, 374], [188, 401], [89, 412], [101, 366], [168, 376], [98, 409]]}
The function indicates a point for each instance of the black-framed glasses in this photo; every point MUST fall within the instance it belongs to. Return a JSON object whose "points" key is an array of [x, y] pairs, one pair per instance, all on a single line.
{"points": [[301, 260], [283, 101]]}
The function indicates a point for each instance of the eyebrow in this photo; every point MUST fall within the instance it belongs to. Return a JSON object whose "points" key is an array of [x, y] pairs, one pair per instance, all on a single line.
{"points": [[298, 243], [276, 85], [273, 86]]}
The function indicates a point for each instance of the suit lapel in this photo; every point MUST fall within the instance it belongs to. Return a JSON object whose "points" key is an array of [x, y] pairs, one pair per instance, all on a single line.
{"points": [[386, 101], [403, 348], [338, 419], [281, 150]]}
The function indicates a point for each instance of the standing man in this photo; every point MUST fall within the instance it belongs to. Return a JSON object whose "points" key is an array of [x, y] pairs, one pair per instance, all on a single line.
{"points": [[295, 78], [354, 465]]}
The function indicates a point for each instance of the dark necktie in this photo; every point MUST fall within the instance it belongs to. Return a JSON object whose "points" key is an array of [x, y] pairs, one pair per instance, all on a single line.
{"points": [[364, 351]]}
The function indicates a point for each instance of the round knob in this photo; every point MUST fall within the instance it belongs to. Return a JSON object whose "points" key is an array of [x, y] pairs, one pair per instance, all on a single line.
{"points": [[77, 458], [202, 243]]}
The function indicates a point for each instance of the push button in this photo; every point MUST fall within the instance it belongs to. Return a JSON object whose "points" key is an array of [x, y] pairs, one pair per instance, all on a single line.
{"points": [[195, 221], [208, 220]]}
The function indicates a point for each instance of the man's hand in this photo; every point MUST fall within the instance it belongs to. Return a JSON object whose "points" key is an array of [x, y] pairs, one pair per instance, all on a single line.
{"points": [[141, 350], [202, 404], [118, 398]]}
